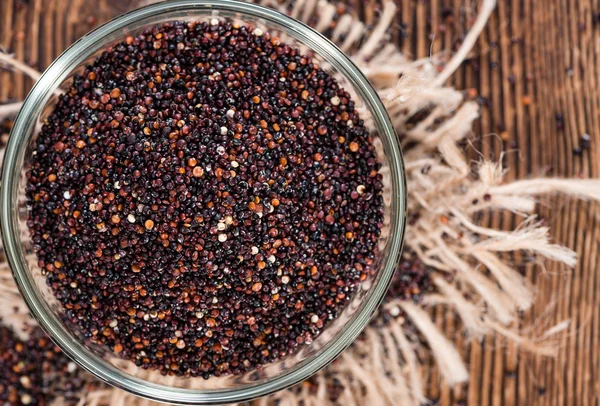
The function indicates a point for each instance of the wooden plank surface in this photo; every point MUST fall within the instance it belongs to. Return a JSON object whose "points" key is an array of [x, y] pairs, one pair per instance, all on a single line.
{"points": [[536, 69]]}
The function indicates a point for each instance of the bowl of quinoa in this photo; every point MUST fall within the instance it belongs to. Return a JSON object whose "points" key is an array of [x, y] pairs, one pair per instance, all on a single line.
{"points": [[203, 202]]}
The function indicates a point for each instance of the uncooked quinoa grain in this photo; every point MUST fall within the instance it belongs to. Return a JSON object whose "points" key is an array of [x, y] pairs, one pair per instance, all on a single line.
{"points": [[215, 220], [35, 371]]}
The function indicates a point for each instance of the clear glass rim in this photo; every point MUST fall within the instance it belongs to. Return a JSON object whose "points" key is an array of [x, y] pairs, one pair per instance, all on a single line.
{"points": [[13, 161]]}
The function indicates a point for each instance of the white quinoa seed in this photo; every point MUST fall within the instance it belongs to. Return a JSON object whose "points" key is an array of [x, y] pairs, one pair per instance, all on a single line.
{"points": [[234, 164], [360, 189], [271, 258], [221, 226], [117, 185], [214, 21], [25, 381], [222, 237], [335, 101], [113, 324], [26, 399], [71, 367], [258, 32], [230, 113], [67, 195], [224, 130], [394, 311], [254, 250], [131, 218], [314, 318], [228, 220], [285, 279], [349, 123]]}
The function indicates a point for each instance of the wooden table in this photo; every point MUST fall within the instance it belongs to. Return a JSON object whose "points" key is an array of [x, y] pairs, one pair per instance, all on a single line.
{"points": [[536, 69]]}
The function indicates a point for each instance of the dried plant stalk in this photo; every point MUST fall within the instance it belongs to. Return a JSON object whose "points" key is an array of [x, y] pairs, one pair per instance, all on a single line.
{"points": [[9, 110]]}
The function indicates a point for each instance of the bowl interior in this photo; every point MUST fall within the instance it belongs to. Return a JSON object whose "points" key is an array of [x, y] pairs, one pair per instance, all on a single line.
{"points": [[103, 363]]}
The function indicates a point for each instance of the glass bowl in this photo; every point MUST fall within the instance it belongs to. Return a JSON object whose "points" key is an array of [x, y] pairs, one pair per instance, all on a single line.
{"points": [[123, 374]]}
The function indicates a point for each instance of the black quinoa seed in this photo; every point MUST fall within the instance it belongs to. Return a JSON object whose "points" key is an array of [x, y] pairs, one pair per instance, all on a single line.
{"points": [[35, 371], [586, 141], [204, 199]]}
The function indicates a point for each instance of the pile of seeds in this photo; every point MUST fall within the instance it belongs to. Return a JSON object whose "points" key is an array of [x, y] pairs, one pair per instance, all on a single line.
{"points": [[412, 279], [204, 199], [35, 371], [5, 127]]}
